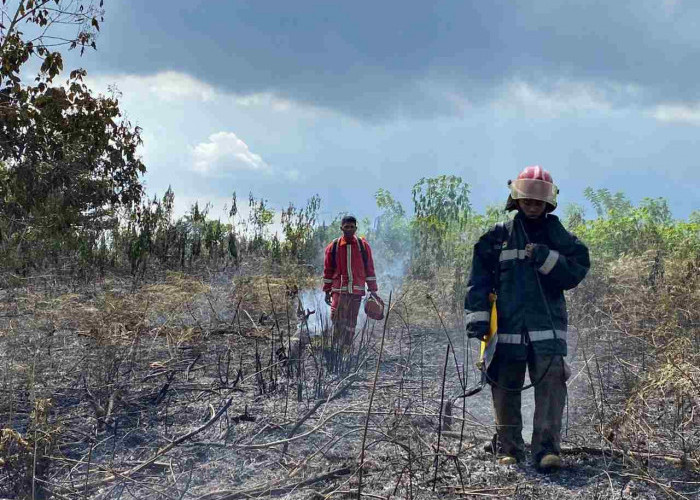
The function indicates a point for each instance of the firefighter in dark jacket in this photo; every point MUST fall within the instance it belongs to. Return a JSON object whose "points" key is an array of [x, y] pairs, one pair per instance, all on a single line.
{"points": [[528, 262]]}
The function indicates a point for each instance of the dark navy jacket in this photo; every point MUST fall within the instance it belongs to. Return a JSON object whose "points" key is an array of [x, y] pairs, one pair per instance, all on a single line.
{"points": [[499, 264]]}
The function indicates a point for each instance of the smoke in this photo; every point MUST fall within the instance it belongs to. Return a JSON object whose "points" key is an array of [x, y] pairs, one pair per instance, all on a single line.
{"points": [[390, 271], [313, 314]]}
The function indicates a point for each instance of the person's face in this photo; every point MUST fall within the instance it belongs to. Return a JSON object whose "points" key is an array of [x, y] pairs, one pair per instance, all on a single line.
{"points": [[348, 229], [532, 208]]}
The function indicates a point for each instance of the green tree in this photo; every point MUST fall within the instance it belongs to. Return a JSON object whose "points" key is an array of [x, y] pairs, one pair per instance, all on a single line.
{"points": [[165, 236], [574, 216], [68, 160], [391, 241], [442, 208], [297, 226], [259, 218], [622, 228], [607, 204]]}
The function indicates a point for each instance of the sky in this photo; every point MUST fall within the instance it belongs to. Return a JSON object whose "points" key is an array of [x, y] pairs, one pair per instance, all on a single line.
{"points": [[291, 99]]}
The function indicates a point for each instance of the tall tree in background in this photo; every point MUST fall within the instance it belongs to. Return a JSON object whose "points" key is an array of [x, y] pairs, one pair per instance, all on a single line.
{"points": [[442, 209], [67, 157]]}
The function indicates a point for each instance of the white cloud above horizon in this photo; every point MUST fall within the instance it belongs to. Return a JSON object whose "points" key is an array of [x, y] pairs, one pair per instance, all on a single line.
{"points": [[176, 86], [561, 99], [207, 142], [685, 114], [225, 152], [166, 86]]}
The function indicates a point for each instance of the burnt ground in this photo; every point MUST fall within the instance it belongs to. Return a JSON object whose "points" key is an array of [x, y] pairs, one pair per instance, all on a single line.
{"points": [[176, 404]]}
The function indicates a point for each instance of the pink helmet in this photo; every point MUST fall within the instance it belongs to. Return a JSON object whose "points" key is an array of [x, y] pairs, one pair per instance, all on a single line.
{"points": [[533, 183]]}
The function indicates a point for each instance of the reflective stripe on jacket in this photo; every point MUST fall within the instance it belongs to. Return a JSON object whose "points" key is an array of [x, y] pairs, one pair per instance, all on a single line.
{"points": [[348, 273], [499, 261]]}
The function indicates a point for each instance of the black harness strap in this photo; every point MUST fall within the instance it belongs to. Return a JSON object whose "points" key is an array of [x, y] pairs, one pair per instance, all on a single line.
{"points": [[363, 252]]}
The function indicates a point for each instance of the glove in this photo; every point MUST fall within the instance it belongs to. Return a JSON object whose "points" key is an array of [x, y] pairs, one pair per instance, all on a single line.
{"points": [[537, 253], [478, 330], [328, 298]]}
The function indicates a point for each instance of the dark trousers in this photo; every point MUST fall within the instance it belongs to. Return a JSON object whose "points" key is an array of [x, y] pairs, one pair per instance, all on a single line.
{"points": [[550, 398]]}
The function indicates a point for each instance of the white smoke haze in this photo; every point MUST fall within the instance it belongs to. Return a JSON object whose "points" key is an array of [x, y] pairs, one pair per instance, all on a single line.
{"points": [[314, 300], [391, 274]]}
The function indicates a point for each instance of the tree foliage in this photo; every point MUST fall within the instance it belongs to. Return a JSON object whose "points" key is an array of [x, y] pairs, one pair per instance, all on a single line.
{"points": [[68, 159], [298, 225], [624, 229], [442, 208]]}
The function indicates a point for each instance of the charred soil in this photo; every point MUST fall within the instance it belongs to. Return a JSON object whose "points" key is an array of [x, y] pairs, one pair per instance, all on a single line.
{"points": [[185, 389]]}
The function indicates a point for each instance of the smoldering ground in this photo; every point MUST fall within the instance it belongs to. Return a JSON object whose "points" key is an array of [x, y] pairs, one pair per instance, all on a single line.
{"points": [[184, 389]]}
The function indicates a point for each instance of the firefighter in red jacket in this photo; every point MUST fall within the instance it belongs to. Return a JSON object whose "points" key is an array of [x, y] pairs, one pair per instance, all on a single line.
{"points": [[347, 269]]}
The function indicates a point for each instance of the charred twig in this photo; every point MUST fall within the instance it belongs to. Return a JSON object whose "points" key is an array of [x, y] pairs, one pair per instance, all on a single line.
{"points": [[259, 370], [449, 340], [163, 390], [442, 400], [252, 321], [371, 399], [295, 438], [156, 455], [191, 365], [615, 453], [274, 313], [277, 489], [223, 378], [339, 392], [327, 446]]}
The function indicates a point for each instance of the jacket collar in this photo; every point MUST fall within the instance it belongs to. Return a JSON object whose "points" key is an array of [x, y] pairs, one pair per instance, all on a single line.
{"points": [[540, 220], [344, 242]]}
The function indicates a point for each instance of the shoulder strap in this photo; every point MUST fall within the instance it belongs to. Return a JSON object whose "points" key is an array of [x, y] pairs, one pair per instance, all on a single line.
{"points": [[503, 230], [334, 252], [363, 251]]}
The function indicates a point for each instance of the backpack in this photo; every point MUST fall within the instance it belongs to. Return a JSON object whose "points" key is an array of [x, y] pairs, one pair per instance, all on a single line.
{"points": [[363, 252]]}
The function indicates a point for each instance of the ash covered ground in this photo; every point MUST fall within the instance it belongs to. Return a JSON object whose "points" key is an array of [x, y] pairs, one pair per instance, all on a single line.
{"points": [[199, 402]]}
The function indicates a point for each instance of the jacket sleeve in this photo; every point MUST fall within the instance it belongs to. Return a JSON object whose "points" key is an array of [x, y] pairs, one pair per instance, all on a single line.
{"points": [[328, 268], [481, 282], [371, 277], [567, 263]]}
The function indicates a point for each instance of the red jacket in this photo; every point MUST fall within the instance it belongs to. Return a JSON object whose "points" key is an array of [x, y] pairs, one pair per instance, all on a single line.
{"points": [[348, 270]]}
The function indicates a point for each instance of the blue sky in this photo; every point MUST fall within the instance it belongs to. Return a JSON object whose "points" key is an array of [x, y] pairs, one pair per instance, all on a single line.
{"points": [[289, 99]]}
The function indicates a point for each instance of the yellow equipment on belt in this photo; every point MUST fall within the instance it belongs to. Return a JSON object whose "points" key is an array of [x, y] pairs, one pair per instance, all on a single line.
{"points": [[488, 344], [488, 350]]}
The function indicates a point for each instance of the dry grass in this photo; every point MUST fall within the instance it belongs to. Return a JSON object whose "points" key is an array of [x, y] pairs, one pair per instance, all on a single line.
{"points": [[177, 389], [640, 319]]}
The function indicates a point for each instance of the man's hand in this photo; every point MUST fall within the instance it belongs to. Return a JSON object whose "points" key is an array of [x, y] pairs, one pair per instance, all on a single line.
{"points": [[328, 298], [536, 252], [478, 330]]}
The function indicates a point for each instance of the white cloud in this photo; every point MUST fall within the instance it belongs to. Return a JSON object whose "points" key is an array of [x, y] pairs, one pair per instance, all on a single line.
{"points": [[561, 99], [173, 86], [264, 99], [688, 114], [166, 86], [224, 151]]}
